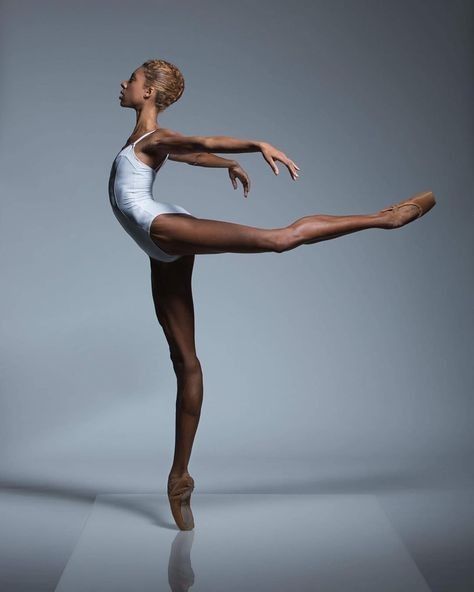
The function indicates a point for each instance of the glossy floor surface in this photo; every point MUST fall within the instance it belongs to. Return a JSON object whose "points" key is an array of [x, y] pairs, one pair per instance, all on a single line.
{"points": [[410, 541]]}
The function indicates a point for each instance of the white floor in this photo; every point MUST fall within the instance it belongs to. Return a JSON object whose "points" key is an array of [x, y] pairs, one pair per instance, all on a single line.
{"points": [[63, 539], [275, 542]]}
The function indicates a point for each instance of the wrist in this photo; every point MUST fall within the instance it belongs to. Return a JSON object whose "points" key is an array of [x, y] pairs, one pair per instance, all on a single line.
{"points": [[232, 163]]}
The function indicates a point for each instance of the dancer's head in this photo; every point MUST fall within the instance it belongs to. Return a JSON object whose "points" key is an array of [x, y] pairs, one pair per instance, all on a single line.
{"points": [[156, 84]]}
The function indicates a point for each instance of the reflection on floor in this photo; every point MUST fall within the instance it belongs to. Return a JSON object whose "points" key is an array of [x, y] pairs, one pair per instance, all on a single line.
{"points": [[241, 542], [55, 539]]}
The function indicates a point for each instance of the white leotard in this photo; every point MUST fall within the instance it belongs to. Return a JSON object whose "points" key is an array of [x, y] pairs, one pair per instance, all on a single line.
{"points": [[131, 197]]}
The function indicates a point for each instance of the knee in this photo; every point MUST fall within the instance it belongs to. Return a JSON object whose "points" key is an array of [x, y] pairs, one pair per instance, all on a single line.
{"points": [[190, 387], [185, 364], [285, 240]]}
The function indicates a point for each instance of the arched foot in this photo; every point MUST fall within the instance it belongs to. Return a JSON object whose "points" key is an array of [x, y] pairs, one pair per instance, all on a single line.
{"points": [[406, 211], [180, 489]]}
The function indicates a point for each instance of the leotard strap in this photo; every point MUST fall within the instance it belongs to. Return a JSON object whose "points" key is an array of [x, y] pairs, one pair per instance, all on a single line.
{"points": [[141, 137]]}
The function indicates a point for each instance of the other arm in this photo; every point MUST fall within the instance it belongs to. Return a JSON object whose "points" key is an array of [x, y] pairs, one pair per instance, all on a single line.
{"points": [[203, 159], [211, 160]]}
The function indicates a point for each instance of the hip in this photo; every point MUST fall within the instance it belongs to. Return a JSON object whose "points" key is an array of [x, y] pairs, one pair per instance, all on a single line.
{"points": [[142, 213]]}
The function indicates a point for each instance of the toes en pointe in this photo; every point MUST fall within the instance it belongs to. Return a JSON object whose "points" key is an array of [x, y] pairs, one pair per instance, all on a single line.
{"points": [[180, 489], [410, 209]]}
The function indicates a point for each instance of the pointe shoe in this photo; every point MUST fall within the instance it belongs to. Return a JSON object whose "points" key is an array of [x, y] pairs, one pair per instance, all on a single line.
{"points": [[179, 496], [423, 201]]}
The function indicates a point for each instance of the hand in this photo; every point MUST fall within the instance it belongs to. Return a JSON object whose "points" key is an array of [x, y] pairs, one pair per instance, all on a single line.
{"points": [[237, 172], [270, 154]]}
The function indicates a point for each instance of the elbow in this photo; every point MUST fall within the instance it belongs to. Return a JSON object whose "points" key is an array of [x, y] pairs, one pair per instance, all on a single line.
{"points": [[204, 144], [195, 159]]}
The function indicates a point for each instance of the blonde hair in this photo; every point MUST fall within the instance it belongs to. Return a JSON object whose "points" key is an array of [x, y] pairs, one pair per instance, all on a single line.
{"points": [[167, 79]]}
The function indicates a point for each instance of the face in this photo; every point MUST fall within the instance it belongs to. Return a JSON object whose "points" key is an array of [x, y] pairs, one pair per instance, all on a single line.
{"points": [[133, 89]]}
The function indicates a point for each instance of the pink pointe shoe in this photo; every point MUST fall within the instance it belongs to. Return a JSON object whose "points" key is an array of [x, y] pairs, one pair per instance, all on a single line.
{"points": [[179, 496], [423, 201]]}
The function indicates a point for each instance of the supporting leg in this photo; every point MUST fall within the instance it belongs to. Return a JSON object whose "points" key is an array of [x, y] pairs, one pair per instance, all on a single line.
{"points": [[172, 297]]}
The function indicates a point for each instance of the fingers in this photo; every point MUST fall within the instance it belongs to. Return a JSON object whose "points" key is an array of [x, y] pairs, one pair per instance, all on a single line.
{"points": [[246, 184], [271, 154], [293, 168], [271, 162], [274, 166], [244, 179]]}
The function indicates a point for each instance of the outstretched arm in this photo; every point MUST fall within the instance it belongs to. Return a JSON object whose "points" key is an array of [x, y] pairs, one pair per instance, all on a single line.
{"points": [[173, 142], [177, 143]]}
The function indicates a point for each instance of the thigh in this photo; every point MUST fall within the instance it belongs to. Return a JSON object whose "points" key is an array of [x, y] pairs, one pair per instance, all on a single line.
{"points": [[181, 234], [173, 301]]}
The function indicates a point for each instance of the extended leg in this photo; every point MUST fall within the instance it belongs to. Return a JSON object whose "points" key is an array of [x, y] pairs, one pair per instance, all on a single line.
{"points": [[180, 234], [172, 297]]}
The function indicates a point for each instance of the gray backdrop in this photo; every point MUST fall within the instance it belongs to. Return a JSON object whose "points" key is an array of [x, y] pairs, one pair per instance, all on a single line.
{"points": [[340, 365]]}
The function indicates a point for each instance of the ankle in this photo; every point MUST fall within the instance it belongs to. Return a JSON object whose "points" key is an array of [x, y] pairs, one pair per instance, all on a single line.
{"points": [[384, 220], [177, 473]]}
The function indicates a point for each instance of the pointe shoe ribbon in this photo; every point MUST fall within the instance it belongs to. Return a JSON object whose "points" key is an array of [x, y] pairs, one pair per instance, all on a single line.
{"points": [[395, 207], [177, 486], [423, 201]]}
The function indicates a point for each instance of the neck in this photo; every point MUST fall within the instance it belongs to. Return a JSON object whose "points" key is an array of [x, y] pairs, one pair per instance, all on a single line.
{"points": [[146, 120]]}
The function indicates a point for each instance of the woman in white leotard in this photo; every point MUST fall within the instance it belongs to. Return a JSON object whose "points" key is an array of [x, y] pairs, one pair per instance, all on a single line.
{"points": [[130, 193], [171, 236]]}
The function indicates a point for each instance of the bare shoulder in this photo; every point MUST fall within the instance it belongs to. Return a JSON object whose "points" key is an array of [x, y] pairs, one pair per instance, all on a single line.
{"points": [[159, 140], [166, 140], [155, 145], [165, 133]]}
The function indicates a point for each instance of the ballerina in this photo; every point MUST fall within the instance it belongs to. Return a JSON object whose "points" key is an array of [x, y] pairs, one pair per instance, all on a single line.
{"points": [[172, 236]]}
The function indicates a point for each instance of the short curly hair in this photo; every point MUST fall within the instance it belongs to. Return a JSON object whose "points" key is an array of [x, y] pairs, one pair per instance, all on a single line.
{"points": [[167, 79]]}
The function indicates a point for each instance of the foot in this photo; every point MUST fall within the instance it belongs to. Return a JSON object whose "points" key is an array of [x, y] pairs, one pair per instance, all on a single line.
{"points": [[397, 215], [180, 488]]}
